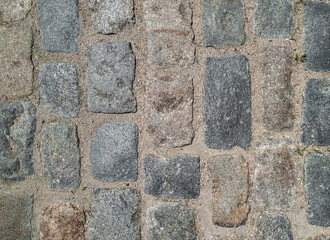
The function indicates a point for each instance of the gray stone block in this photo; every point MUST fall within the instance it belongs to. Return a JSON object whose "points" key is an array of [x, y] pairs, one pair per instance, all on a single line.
{"points": [[17, 128], [171, 221], [317, 188], [273, 226], [60, 155], [227, 102], [273, 18], [59, 89], [115, 214], [113, 153], [175, 177], [316, 45], [58, 21], [315, 127], [223, 23], [110, 77]]}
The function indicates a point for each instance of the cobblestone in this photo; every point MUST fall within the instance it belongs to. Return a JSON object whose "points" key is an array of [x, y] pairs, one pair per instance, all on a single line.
{"points": [[14, 10], [273, 226], [321, 237]]}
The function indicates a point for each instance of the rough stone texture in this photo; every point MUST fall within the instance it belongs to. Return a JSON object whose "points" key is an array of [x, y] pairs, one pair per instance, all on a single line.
{"points": [[113, 153], [60, 155], [277, 92], [315, 127], [175, 177], [15, 216], [317, 36], [317, 189], [62, 221], [227, 102], [111, 16], [321, 237], [275, 174], [110, 77], [17, 128], [14, 10], [115, 215], [169, 221], [16, 73], [230, 189], [273, 18], [58, 21], [169, 110], [273, 226], [59, 89], [234, 237], [223, 23]]}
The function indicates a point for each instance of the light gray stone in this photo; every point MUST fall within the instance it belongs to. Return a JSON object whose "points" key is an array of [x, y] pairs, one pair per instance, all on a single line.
{"points": [[59, 89], [14, 10], [60, 155], [273, 226], [115, 215], [227, 102], [58, 21], [321, 237], [110, 77], [113, 153]]}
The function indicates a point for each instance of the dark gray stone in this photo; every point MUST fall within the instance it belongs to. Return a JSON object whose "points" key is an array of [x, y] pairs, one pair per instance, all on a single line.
{"points": [[273, 226], [58, 21], [17, 128], [175, 177], [315, 127], [227, 102], [115, 215], [171, 221], [273, 18], [113, 153], [223, 23], [60, 155], [15, 216], [59, 89], [316, 45], [317, 188], [110, 77]]}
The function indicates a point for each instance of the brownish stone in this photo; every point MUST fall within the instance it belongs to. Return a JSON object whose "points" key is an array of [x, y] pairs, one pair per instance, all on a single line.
{"points": [[321, 237], [62, 221], [230, 189], [14, 10]]}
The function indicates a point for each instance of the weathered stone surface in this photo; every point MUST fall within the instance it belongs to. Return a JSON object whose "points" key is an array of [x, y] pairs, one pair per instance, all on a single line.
{"points": [[113, 153], [111, 16], [60, 155], [234, 237], [273, 18], [277, 93], [230, 189], [62, 221], [321, 237], [110, 77], [58, 21], [275, 174], [175, 177], [59, 89], [317, 36], [315, 127], [223, 23], [171, 221], [227, 102], [17, 128], [273, 226], [115, 214], [15, 216], [169, 110], [317, 189], [16, 73], [14, 10]]}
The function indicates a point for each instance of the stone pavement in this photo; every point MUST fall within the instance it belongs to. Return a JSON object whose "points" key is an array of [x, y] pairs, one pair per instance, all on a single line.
{"points": [[172, 120]]}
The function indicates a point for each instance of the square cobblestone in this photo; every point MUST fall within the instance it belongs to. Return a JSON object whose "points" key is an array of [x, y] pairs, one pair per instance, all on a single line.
{"points": [[273, 226]]}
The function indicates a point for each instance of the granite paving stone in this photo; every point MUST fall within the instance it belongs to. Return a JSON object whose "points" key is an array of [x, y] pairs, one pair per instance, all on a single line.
{"points": [[14, 10], [115, 215], [227, 102], [321, 237], [317, 188], [110, 76], [113, 152], [273, 226], [59, 89], [60, 155], [223, 23]]}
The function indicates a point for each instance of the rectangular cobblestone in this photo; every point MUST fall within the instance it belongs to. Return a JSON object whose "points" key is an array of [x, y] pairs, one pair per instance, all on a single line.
{"points": [[273, 226], [230, 190], [227, 102]]}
